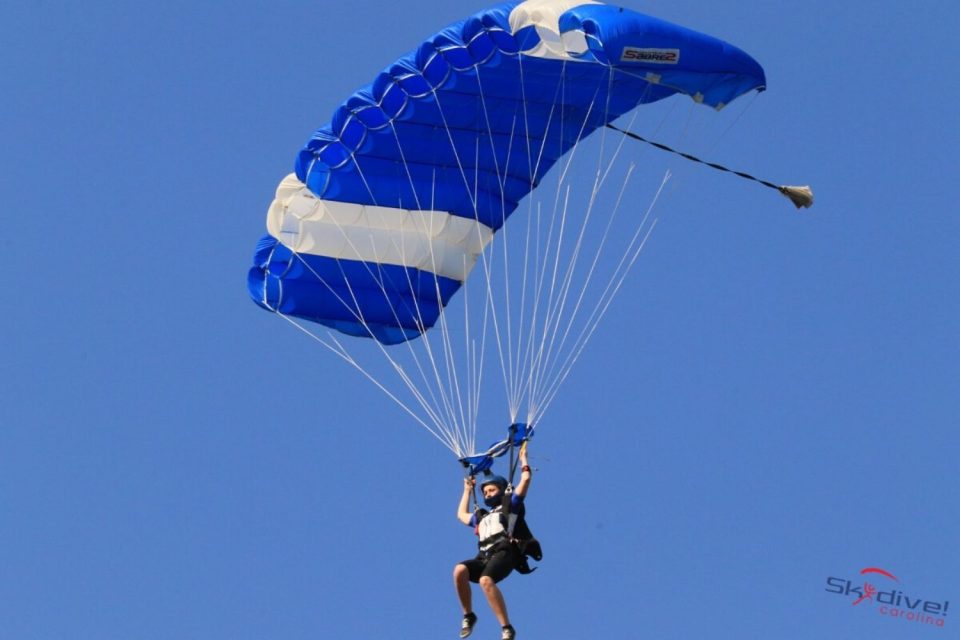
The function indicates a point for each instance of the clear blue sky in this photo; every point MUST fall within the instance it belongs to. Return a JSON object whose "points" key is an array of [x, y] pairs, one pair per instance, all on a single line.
{"points": [[771, 401]]}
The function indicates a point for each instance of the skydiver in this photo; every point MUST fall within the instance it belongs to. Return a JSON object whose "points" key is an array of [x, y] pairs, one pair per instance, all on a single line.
{"points": [[504, 544]]}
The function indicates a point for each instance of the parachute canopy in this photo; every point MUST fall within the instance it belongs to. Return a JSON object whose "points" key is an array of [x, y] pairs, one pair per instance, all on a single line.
{"points": [[392, 202]]}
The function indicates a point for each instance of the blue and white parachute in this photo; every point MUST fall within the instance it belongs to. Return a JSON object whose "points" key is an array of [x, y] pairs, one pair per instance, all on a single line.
{"points": [[393, 203]]}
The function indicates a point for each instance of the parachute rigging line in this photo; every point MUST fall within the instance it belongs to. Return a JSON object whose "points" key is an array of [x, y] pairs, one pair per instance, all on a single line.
{"points": [[432, 410], [801, 197], [342, 353]]}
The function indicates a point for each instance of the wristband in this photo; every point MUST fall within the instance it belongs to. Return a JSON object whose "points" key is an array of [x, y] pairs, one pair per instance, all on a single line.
{"points": [[525, 468]]}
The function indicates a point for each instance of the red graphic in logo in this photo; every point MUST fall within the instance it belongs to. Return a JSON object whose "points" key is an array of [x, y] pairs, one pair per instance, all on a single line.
{"points": [[868, 589]]}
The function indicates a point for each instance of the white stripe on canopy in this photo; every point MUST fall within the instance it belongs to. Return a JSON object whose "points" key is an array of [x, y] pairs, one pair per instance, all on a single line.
{"points": [[432, 241]]}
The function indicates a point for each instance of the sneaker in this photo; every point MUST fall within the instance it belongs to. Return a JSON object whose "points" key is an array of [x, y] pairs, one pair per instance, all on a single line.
{"points": [[466, 627], [508, 633]]}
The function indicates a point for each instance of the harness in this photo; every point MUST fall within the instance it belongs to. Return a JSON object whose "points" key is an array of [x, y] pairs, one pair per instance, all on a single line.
{"points": [[494, 526], [508, 529]]}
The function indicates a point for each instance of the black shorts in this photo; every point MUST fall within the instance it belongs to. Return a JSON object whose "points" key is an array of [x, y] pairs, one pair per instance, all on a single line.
{"points": [[497, 565]]}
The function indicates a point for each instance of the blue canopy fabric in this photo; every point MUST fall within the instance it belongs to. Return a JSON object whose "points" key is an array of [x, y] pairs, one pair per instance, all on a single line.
{"points": [[463, 127]]}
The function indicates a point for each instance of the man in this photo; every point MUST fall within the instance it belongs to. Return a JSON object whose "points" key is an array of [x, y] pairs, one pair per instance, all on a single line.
{"points": [[502, 538]]}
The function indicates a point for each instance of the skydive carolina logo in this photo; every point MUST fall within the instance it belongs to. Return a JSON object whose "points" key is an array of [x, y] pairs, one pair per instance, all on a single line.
{"points": [[888, 599]]}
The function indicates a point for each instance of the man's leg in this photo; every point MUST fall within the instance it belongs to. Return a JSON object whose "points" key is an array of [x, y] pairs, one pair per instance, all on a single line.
{"points": [[461, 580], [495, 598]]}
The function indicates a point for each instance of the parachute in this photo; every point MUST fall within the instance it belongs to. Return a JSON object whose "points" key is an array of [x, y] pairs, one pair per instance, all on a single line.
{"points": [[394, 202]]}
